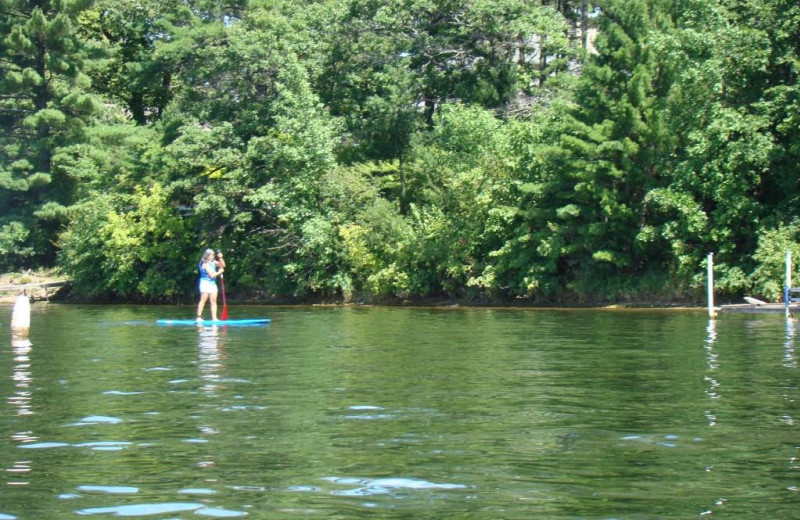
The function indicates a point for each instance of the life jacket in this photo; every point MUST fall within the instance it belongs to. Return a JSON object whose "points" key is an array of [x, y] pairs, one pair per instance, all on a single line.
{"points": [[203, 273]]}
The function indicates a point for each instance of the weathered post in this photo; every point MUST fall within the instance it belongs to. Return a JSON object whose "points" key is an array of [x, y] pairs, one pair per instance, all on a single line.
{"points": [[787, 292], [712, 312], [21, 317]]}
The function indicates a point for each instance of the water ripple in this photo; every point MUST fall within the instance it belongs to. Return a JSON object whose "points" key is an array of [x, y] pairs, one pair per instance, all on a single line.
{"points": [[43, 445], [142, 509], [104, 445], [197, 491], [111, 490], [219, 513], [97, 419], [383, 486]]}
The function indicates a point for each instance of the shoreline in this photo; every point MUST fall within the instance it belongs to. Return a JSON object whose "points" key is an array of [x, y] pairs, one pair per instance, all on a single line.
{"points": [[7, 300], [26, 283], [38, 295]]}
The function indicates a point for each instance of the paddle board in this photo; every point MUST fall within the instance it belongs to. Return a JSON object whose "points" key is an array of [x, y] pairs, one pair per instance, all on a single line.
{"points": [[215, 323]]}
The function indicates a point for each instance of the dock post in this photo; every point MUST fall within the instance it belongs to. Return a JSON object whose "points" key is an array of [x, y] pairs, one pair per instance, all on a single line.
{"points": [[21, 317], [787, 289], [712, 312]]}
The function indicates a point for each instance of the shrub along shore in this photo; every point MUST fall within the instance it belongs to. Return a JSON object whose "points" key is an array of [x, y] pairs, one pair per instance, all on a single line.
{"points": [[8, 296]]}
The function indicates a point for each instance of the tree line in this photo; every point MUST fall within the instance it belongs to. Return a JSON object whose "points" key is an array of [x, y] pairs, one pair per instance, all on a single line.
{"points": [[486, 150]]}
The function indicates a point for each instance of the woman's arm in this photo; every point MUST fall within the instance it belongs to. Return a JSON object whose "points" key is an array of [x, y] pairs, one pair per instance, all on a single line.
{"points": [[210, 270]]}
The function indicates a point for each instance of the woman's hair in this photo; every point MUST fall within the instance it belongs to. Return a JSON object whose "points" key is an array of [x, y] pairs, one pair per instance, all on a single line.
{"points": [[206, 253]]}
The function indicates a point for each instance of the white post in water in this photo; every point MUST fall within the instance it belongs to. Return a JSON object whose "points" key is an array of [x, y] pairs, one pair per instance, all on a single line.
{"points": [[21, 317], [788, 291], [712, 312]]}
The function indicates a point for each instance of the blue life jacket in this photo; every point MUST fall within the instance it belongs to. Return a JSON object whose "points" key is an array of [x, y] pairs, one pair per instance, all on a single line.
{"points": [[203, 273]]}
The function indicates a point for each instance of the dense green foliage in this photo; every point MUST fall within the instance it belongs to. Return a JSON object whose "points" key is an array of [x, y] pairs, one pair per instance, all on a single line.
{"points": [[481, 149]]}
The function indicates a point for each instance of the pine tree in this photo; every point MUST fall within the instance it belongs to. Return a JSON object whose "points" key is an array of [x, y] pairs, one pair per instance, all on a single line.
{"points": [[44, 107], [611, 153]]}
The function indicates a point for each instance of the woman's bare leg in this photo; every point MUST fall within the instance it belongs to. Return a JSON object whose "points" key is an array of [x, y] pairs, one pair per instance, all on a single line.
{"points": [[213, 299], [203, 298]]}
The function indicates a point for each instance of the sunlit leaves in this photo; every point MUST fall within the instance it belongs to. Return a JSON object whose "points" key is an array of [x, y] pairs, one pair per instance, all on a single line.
{"points": [[132, 246]]}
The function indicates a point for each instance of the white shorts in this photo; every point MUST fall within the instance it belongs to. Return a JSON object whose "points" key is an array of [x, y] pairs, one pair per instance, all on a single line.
{"points": [[208, 287]]}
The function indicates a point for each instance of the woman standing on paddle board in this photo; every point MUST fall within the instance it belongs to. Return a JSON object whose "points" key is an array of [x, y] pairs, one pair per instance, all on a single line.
{"points": [[208, 285]]}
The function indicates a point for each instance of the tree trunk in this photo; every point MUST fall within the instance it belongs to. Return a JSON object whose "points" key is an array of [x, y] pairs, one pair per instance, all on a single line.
{"points": [[40, 101], [584, 24]]}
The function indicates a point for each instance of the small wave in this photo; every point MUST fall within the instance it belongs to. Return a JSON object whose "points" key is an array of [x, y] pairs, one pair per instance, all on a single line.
{"points": [[97, 419], [219, 513], [104, 445], [383, 486], [43, 445], [111, 490], [142, 509], [197, 491]]}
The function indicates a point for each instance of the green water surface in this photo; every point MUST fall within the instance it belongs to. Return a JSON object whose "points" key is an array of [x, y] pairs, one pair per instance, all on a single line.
{"points": [[392, 413]]}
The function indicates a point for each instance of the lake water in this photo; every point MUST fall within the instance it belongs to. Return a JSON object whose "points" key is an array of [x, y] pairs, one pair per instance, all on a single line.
{"points": [[388, 413]]}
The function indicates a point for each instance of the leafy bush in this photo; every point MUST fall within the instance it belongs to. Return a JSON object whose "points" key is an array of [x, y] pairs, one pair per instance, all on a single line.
{"points": [[131, 247], [768, 278], [14, 248]]}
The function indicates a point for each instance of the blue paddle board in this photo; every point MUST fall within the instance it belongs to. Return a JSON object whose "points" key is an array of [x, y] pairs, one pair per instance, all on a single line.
{"points": [[214, 323]]}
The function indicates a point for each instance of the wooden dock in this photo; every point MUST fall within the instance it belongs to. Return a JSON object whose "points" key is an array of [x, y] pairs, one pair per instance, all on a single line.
{"points": [[766, 308], [31, 289]]}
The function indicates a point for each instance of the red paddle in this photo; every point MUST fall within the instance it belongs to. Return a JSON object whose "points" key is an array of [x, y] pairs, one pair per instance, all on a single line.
{"points": [[224, 303]]}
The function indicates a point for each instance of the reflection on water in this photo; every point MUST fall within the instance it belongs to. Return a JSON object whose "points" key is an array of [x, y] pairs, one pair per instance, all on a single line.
{"points": [[211, 358], [712, 363], [790, 362], [789, 357], [21, 399], [211, 366], [401, 413]]}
